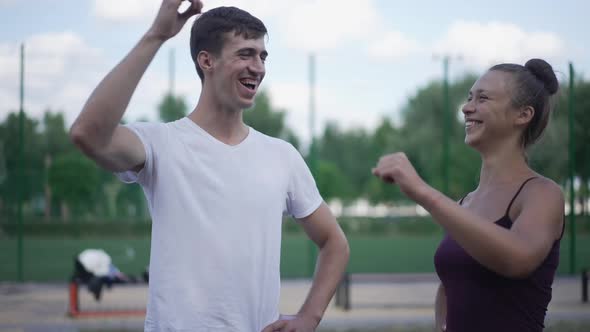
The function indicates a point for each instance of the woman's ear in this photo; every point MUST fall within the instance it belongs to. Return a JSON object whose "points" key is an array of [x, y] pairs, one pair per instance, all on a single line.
{"points": [[525, 115]]}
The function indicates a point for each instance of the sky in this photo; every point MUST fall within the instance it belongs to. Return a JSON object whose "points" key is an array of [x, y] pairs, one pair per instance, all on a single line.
{"points": [[370, 56]]}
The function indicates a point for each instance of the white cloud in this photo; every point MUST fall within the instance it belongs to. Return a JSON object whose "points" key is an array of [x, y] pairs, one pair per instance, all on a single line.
{"points": [[315, 25], [294, 98], [125, 10], [151, 90], [309, 25], [483, 44], [393, 45], [7, 3], [9, 62], [138, 10], [262, 9], [51, 55], [60, 71]]}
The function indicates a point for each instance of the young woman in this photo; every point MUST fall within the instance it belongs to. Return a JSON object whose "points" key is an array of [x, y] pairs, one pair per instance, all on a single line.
{"points": [[501, 250]]}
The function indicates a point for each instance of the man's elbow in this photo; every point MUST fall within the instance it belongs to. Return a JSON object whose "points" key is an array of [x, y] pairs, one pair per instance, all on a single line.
{"points": [[342, 247], [79, 137], [336, 244], [346, 252], [82, 137], [76, 134], [346, 248]]}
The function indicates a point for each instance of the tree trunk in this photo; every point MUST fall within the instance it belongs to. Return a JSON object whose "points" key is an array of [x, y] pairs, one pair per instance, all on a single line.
{"points": [[111, 191], [583, 197], [47, 214], [65, 212]]}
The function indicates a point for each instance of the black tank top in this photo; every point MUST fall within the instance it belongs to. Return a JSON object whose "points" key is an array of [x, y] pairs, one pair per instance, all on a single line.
{"points": [[479, 299]]}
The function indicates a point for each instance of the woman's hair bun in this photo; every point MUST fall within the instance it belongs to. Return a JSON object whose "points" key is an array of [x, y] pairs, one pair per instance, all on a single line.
{"points": [[544, 72]]}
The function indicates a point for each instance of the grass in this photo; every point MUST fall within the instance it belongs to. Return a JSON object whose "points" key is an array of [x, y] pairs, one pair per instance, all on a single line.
{"points": [[51, 258], [368, 253]]}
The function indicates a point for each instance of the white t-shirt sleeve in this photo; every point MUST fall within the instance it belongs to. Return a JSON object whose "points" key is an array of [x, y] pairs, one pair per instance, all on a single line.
{"points": [[145, 133], [303, 197]]}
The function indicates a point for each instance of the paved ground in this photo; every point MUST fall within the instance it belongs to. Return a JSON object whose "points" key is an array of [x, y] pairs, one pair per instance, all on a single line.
{"points": [[43, 307]]}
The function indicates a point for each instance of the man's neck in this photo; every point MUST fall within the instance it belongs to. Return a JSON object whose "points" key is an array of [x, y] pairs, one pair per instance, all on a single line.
{"points": [[225, 125]]}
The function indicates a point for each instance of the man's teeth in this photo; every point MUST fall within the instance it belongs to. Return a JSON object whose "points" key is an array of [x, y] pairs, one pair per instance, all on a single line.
{"points": [[250, 84], [471, 123]]}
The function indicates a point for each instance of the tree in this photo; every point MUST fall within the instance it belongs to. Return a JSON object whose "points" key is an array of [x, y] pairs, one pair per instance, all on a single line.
{"points": [[54, 142], [331, 182], [54, 135], [350, 151], [385, 140], [131, 202], [172, 108], [422, 132], [582, 137], [269, 120], [31, 183], [551, 157], [74, 180]]}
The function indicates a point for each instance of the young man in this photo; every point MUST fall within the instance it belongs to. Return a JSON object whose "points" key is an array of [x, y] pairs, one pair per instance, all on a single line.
{"points": [[216, 188]]}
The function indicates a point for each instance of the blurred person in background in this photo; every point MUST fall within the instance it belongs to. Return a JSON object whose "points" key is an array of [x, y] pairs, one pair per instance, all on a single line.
{"points": [[95, 268]]}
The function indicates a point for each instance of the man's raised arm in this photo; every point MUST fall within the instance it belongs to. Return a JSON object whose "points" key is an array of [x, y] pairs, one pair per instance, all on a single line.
{"points": [[96, 131]]}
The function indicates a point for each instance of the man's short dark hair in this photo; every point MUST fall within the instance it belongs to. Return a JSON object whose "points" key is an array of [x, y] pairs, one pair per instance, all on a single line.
{"points": [[207, 33]]}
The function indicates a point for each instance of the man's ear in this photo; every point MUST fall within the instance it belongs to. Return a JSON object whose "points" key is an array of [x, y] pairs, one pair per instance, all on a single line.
{"points": [[205, 61], [525, 115]]}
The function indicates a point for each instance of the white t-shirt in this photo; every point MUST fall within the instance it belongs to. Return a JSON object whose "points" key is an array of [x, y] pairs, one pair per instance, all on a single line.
{"points": [[216, 225]]}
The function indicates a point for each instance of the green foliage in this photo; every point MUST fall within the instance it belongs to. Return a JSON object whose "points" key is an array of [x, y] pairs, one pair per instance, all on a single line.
{"points": [[172, 108], [550, 156], [56, 176], [354, 152], [581, 125], [58, 180], [331, 181], [269, 120], [351, 152], [31, 181], [130, 202], [423, 136], [264, 118], [379, 192], [74, 180], [386, 139], [54, 136]]}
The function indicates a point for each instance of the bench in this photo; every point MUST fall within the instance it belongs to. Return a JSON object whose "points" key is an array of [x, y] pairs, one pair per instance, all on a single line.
{"points": [[343, 298]]}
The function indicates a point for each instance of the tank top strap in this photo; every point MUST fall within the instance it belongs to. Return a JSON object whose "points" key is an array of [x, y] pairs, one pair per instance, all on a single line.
{"points": [[461, 201], [518, 192]]}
